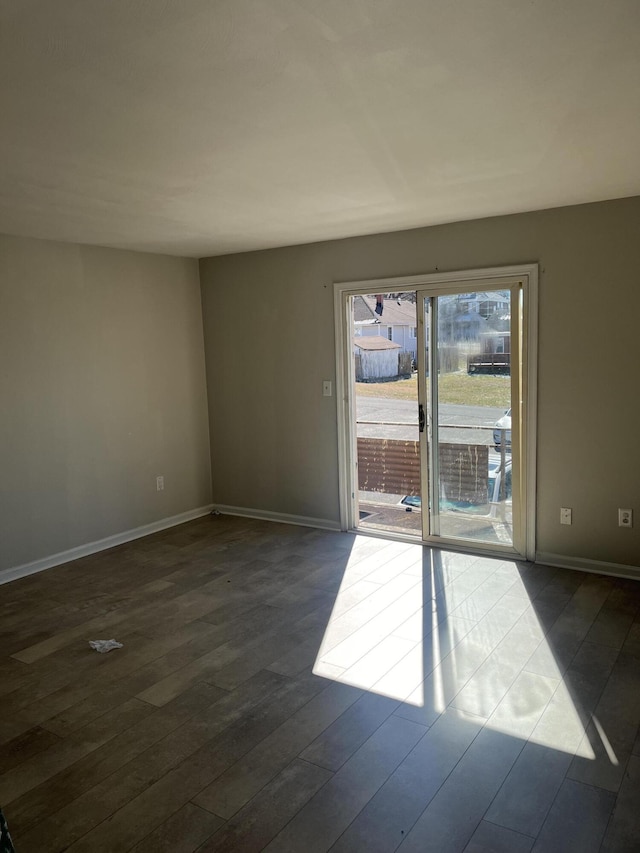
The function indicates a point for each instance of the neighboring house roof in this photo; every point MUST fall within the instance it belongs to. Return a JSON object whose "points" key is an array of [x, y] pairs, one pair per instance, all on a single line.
{"points": [[375, 342], [492, 296], [362, 311], [482, 296], [393, 314]]}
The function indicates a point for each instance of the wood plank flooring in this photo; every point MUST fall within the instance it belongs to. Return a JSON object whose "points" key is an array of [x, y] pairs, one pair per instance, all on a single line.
{"points": [[288, 689]]}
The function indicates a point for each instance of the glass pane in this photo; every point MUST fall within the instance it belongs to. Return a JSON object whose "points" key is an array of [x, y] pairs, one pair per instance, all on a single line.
{"points": [[384, 360], [474, 416]]}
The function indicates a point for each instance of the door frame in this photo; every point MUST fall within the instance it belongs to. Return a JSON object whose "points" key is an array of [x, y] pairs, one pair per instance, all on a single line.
{"points": [[527, 276]]}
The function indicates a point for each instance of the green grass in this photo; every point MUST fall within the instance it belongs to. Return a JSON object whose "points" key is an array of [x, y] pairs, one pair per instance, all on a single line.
{"points": [[454, 388]]}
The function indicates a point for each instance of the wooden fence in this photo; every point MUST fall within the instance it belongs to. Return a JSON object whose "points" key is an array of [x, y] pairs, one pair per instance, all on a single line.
{"points": [[447, 359], [388, 465], [392, 466], [405, 364]]}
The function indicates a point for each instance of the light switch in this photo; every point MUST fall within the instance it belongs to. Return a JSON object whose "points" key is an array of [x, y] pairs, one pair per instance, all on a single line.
{"points": [[326, 388]]}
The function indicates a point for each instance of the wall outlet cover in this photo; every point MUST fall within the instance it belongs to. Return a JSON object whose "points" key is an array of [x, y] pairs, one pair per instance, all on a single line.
{"points": [[625, 518]]}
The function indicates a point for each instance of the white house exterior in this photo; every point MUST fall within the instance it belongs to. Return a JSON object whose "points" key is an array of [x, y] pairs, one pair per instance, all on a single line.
{"points": [[463, 316], [397, 323]]}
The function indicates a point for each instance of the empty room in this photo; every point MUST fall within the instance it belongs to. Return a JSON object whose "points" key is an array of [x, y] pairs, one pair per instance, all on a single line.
{"points": [[320, 472]]}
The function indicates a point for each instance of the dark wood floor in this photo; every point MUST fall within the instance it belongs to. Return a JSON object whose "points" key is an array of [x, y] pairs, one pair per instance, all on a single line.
{"points": [[286, 688]]}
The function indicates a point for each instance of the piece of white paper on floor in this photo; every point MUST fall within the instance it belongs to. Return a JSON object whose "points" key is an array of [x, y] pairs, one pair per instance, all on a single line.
{"points": [[104, 646]]}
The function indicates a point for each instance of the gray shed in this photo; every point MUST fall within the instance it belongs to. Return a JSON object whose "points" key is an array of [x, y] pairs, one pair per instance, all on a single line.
{"points": [[378, 357]]}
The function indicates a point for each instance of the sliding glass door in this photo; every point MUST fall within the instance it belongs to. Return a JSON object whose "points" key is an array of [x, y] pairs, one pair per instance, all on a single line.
{"points": [[469, 387], [385, 397], [437, 390]]}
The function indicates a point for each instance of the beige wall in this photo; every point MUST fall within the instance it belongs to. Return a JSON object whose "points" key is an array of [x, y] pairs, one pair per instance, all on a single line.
{"points": [[102, 387], [270, 341]]}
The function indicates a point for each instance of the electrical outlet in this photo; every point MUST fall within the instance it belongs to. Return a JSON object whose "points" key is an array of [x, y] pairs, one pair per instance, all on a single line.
{"points": [[565, 515], [160, 484], [625, 518]]}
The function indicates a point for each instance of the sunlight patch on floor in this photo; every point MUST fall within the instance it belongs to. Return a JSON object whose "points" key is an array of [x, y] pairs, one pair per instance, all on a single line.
{"points": [[442, 631]]}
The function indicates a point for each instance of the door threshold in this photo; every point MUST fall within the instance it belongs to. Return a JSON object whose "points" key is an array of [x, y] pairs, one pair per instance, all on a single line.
{"points": [[504, 552]]}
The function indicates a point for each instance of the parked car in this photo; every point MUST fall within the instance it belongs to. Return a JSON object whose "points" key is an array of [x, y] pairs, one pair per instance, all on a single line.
{"points": [[490, 508], [503, 423]]}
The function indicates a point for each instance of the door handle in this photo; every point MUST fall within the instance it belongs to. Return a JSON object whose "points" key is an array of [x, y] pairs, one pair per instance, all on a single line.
{"points": [[421, 417]]}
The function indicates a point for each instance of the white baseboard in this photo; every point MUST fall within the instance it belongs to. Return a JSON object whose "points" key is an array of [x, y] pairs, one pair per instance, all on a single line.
{"points": [[281, 517], [16, 572], [618, 570]]}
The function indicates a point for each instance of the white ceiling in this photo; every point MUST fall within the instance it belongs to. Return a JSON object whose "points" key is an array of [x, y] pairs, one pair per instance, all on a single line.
{"points": [[201, 127]]}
